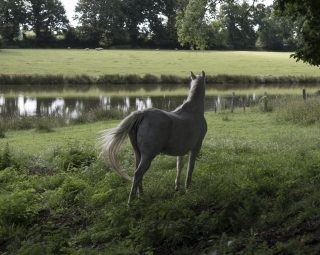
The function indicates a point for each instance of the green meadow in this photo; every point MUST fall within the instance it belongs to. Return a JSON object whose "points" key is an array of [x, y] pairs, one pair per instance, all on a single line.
{"points": [[255, 190], [140, 62]]}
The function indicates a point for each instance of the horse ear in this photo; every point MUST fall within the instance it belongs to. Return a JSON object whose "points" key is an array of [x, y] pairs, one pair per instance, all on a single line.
{"points": [[203, 74], [193, 77]]}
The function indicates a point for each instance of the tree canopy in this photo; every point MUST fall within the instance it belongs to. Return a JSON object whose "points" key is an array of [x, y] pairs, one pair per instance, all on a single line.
{"points": [[309, 13]]}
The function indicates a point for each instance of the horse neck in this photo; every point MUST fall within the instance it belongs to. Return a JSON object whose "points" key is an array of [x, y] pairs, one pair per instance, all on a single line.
{"points": [[196, 97]]}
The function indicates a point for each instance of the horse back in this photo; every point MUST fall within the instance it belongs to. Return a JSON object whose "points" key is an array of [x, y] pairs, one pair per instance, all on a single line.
{"points": [[169, 132]]}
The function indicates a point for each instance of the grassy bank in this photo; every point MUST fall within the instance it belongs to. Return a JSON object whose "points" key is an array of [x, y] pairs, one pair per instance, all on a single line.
{"points": [[221, 81], [151, 67], [255, 191]]}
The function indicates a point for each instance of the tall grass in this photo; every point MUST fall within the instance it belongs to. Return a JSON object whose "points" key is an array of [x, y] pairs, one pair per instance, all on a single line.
{"points": [[298, 111]]}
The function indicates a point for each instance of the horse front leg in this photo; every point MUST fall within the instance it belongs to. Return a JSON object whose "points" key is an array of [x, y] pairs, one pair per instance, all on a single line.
{"points": [[191, 163], [192, 159], [179, 168]]}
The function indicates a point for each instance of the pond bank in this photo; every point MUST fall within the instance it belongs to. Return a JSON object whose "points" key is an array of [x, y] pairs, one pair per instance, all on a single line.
{"points": [[220, 81]]}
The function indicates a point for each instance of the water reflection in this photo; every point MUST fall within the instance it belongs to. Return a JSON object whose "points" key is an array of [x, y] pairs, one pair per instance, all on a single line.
{"points": [[75, 107]]}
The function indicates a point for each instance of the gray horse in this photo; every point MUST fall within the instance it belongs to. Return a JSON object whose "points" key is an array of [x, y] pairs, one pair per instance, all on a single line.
{"points": [[153, 131]]}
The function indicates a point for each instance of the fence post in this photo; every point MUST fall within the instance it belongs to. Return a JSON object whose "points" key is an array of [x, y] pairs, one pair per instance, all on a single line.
{"points": [[304, 94], [265, 102], [232, 102]]}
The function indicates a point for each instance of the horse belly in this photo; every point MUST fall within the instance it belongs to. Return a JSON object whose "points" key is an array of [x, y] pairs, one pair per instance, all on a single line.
{"points": [[153, 132], [182, 139]]}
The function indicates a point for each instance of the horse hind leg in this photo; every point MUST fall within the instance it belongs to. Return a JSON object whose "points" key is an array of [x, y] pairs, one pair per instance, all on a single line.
{"points": [[179, 168], [140, 171], [137, 154]]}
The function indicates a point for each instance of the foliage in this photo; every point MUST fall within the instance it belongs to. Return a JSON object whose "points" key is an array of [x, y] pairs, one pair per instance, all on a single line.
{"points": [[12, 14], [123, 22], [45, 18], [191, 25], [309, 12], [149, 24], [278, 33], [239, 22]]}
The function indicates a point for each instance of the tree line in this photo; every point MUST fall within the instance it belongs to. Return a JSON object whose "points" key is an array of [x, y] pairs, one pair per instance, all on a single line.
{"points": [[287, 25]]}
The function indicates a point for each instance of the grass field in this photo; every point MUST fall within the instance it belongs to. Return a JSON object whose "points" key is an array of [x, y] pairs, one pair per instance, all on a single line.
{"points": [[255, 191], [140, 62]]}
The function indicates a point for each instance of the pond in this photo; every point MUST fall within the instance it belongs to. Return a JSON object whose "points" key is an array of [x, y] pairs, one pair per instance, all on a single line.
{"points": [[74, 102]]}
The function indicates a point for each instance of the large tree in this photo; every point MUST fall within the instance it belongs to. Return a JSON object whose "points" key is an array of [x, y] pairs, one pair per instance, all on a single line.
{"points": [[192, 25], [102, 21], [309, 12], [46, 17], [239, 21], [277, 33], [127, 21], [12, 16]]}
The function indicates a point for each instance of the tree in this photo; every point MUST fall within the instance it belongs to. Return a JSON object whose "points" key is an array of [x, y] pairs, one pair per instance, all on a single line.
{"points": [[12, 16], [309, 12], [109, 22], [277, 33], [192, 26], [102, 21], [162, 23], [239, 22], [46, 17]]}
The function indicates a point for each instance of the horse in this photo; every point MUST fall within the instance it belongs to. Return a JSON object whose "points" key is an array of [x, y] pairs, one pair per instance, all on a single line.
{"points": [[154, 131]]}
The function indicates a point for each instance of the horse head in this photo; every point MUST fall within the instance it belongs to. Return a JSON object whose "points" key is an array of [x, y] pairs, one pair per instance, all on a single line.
{"points": [[197, 86]]}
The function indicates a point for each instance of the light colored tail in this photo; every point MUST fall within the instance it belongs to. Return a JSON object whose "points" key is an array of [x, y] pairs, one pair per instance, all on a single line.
{"points": [[113, 138]]}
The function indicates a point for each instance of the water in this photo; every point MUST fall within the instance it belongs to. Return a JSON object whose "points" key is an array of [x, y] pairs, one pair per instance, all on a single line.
{"points": [[26, 101]]}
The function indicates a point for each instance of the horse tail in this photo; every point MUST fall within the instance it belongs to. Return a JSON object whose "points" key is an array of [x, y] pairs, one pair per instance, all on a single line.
{"points": [[113, 138]]}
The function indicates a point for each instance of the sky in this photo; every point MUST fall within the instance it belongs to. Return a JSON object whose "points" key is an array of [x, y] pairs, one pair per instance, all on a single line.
{"points": [[71, 4]]}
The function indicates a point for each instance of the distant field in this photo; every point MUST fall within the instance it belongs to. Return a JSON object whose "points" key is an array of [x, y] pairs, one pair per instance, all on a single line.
{"points": [[73, 62]]}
